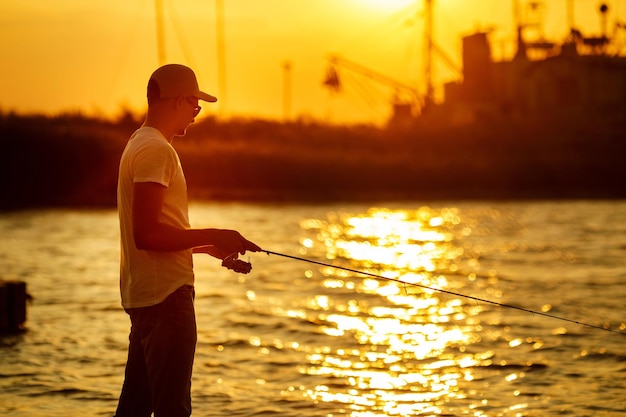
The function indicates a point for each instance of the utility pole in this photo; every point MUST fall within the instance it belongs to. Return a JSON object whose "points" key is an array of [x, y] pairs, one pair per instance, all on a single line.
{"points": [[221, 54], [570, 14], [160, 30], [287, 90], [428, 52]]}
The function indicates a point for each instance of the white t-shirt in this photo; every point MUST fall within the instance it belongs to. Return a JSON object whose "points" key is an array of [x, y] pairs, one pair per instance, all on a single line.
{"points": [[146, 277]]}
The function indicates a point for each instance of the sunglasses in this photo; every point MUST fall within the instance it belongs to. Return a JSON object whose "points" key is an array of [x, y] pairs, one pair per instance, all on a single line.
{"points": [[193, 101]]}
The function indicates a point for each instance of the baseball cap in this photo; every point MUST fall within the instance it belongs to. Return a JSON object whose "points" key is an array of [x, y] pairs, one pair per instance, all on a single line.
{"points": [[174, 80]]}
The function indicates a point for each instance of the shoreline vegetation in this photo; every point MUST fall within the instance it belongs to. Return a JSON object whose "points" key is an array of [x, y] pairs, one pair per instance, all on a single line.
{"points": [[71, 160]]}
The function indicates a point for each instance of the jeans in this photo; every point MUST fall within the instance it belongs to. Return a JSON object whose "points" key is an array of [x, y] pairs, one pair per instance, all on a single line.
{"points": [[160, 358]]}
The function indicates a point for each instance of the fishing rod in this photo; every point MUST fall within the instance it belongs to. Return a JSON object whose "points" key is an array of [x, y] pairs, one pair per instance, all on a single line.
{"points": [[482, 300]]}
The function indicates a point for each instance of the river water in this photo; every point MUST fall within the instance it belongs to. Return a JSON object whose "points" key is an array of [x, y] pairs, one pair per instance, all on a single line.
{"points": [[294, 338]]}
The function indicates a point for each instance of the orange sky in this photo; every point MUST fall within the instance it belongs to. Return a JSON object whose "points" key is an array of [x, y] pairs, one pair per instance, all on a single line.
{"points": [[95, 56]]}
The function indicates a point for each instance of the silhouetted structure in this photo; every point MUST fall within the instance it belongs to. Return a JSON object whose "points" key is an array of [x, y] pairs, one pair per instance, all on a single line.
{"points": [[583, 79]]}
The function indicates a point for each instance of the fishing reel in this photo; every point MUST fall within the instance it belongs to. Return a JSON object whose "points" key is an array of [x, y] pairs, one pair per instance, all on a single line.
{"points": [[237, 265]]}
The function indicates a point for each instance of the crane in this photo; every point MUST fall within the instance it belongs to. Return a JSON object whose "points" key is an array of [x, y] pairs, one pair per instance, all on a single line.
{"points": [[406, 97], [407, 100]]}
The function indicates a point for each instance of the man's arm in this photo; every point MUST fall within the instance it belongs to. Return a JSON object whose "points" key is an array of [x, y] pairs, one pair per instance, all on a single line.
{"points": [[151, 234]]}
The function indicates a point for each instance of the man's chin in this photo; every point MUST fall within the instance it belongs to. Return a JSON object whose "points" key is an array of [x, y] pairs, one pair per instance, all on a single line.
{"points": [[181, 132]]}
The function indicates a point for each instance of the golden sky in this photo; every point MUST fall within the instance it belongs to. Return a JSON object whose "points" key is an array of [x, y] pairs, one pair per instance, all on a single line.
{"points": [[95, 56]]}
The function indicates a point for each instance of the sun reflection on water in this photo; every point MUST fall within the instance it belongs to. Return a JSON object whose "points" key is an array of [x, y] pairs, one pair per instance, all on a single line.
{"points": [[404, 348]]}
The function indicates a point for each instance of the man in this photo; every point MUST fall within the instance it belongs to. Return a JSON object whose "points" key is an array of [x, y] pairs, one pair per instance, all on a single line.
{"points": [[156, 271]]}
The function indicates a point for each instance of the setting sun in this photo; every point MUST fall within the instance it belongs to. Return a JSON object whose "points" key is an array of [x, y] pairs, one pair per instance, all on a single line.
{"points": [[385, 37], [385, 4]]}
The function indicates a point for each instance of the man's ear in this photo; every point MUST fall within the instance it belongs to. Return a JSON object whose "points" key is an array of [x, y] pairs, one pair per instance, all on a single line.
{"points": [[180, 100]]}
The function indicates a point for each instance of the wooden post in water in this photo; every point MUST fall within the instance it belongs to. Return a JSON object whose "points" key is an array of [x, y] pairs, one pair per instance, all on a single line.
{"points": [[13, 299]]}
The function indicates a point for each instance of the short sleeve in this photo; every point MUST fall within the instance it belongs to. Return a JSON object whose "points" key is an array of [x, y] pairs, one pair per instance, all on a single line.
{"points": [[155, 162]]}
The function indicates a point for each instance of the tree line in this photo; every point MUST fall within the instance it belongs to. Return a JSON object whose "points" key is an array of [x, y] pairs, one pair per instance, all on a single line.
{"points": [[72, 160]]}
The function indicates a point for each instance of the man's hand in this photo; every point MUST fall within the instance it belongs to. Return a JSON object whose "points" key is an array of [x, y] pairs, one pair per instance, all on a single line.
{"points": [[232, 242], [237, 265], [229, 260], [228, 245]]}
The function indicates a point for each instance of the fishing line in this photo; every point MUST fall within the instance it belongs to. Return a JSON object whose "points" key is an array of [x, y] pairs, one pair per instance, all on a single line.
{"points": [[482, 300]]}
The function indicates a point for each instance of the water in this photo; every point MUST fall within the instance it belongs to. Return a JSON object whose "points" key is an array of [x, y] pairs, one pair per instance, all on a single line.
{"points": [[296, 339]]}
